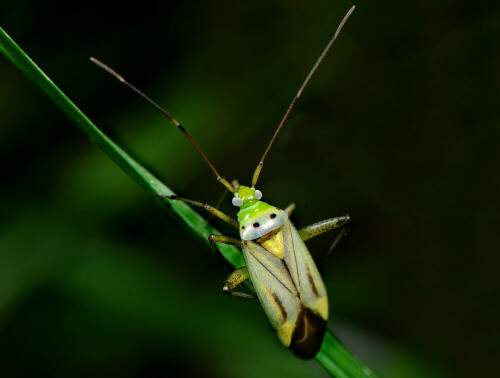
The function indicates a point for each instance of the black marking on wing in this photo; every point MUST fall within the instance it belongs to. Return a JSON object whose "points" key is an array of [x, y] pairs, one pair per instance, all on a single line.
{"points": [[308, 334]]}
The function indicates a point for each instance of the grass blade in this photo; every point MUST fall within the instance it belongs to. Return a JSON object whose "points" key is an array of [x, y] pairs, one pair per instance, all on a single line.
{"points": [[184, 213], [337, 360]]}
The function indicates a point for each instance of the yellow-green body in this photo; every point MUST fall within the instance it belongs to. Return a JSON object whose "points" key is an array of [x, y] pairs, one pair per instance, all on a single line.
{"points": [[283, 274]]}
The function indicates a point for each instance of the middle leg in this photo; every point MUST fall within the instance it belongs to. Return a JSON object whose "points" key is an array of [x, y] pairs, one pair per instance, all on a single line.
{"points": [[235, 279]]}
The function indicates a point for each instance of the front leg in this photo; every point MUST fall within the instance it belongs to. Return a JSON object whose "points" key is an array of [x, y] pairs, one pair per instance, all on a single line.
{"points": [[212, 210], [214, 239], [319, 228]]}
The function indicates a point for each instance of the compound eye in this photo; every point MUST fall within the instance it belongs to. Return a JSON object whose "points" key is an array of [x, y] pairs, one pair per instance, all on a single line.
{"points": [[237, 201], [258, 194]]}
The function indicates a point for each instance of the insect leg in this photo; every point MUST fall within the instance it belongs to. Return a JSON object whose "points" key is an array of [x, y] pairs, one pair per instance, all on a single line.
{"points": [[290, 208], [219, 202], [235, 185], [319, 228], [334, 244], [210, 209], [235, 279], [214, 239]]}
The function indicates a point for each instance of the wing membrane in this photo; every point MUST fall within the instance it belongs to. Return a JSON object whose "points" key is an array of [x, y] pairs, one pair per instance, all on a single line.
{"points": [[286, 287], [304, 272], [275, 289]]}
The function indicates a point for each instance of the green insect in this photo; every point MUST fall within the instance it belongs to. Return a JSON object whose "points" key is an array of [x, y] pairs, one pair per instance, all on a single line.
{"points": [[283, 273]]}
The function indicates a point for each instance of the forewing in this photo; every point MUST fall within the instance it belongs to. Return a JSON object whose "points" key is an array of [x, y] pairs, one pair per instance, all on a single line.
{"points": [[304, 272], [274, 287]]}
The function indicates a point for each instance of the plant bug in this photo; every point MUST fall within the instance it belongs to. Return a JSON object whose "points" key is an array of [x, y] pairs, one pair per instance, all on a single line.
{"points": [[283, 273]]}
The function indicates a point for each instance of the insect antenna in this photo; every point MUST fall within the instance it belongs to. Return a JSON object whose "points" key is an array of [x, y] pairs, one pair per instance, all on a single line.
{"points": [[165, 113], [292, 104]]}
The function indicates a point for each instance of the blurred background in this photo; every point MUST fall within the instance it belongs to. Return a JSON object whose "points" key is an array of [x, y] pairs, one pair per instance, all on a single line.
{"points": [[398, 128]]}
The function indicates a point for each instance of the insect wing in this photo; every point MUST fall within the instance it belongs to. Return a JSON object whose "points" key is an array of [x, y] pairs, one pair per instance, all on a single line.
{"points": [[290, 290], [275, 288], [304, 272]]}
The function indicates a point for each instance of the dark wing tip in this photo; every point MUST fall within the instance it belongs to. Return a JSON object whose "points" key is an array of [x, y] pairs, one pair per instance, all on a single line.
{"points": [[308, 334]]}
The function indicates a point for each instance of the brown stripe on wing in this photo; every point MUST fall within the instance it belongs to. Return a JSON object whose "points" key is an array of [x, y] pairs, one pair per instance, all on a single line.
{"points": [[278, 302], [250, 252], [311, 282]]}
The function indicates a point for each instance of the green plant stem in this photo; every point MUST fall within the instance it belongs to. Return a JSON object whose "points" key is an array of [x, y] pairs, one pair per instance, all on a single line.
{"points": [[339, 362], [184, 213], [336, 359]]}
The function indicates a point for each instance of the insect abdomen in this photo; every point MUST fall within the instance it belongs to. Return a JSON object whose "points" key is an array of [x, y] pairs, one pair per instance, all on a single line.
{"points": [[308, 334]]}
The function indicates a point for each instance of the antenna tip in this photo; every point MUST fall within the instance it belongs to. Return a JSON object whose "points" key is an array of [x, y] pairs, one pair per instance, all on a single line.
{"points": [[107, 69]]}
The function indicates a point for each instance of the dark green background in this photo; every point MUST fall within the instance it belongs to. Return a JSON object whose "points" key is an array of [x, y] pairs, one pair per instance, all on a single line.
{"points": [[399, 128]]}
